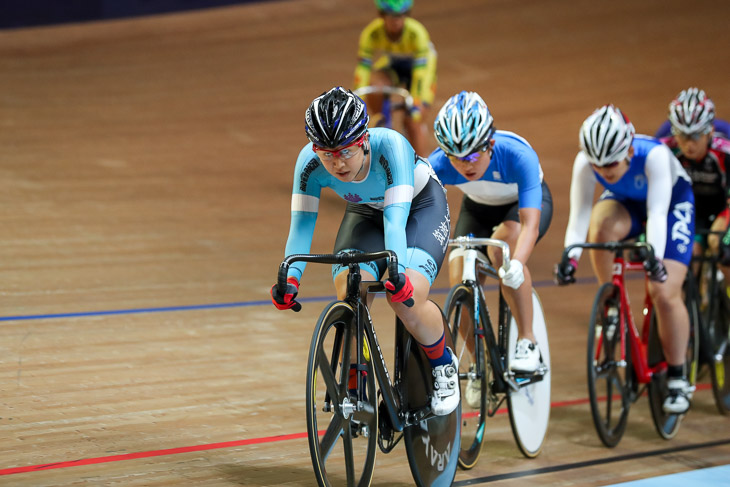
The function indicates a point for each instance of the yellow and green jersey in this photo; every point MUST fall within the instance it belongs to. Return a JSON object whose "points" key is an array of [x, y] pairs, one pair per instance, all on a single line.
{"points": [[413, 46]]}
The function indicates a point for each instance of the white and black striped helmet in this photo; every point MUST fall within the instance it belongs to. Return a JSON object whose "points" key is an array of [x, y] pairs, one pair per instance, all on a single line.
{"points": [[463, 125], [692, 112], [606, 136], [336, 118]]}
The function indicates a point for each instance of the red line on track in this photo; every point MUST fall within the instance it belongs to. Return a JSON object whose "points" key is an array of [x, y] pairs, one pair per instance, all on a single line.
{"points": [[214, 446]]}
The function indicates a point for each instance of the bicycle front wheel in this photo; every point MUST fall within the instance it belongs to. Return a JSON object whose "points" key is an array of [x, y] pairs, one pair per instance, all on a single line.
{"points": [[608, 372], [334, 415], [719, 337], [529, 407], [474, 372]]}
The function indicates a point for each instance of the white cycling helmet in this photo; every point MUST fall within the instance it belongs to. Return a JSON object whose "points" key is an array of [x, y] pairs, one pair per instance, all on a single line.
{"points": [[606, 136], [463, 125], [692, 112]]}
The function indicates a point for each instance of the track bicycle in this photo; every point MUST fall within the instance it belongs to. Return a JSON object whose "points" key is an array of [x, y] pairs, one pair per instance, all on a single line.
{"points": [[484, 358], [623, 362], [395, 99], [354, 404], [714, 331]]}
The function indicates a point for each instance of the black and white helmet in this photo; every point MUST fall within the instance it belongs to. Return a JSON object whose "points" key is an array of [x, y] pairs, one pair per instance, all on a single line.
{"points": [[606, 136], [335, 119], [692, 112]]}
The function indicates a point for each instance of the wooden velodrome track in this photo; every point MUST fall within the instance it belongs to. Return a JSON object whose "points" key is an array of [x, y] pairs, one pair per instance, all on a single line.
{"points": [[146, 173]]}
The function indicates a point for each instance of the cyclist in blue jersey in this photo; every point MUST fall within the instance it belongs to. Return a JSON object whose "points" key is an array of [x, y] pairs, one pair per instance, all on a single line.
{"points": [[646, 189], [395, 202], [505, 198]]}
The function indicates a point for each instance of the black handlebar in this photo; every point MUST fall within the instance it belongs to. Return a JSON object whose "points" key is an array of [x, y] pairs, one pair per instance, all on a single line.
{"points": [[612, 246], [343, 258]]}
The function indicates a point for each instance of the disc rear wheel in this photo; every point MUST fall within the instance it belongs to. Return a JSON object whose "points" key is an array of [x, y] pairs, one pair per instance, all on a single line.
{"points": [[529, 407]]}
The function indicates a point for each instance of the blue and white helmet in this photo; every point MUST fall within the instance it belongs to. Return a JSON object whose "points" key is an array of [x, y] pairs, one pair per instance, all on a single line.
{"points": [[463, 125], [606, 136]]}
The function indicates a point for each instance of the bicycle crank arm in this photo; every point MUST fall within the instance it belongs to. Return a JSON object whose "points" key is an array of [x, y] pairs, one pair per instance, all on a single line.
{"points": [[415, 417], [510, 381]]}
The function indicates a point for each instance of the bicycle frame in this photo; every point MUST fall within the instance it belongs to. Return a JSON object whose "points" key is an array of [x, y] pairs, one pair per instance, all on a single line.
{"points": [[475, 264], [356, 289], [639, 342]]}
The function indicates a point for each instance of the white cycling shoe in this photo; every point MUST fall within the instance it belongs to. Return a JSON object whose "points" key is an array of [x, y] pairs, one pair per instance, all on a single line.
{"points": [[527, 357], [446, 394], [678, 400]]}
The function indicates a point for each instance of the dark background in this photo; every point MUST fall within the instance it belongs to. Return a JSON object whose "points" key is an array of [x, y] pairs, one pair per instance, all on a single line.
{"points": [[26, 13]]}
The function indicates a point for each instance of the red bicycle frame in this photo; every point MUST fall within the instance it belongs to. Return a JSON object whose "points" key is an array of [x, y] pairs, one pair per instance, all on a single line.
{"points": [[639, 342]]}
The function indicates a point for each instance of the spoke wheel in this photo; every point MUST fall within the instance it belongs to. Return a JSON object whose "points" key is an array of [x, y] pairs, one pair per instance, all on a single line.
{"points": [[719, 334], [608, 377], [342, 433], [474, 377], [529, 407]]}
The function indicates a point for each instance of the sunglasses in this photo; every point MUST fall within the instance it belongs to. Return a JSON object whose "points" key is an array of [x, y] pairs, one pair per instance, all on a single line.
{"points": [[346, 152], [474, 156], [606, 166]]}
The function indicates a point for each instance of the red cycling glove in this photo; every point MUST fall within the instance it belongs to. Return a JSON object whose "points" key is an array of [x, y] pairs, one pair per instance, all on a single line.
{"points": [[401, 290], [287, 300]]}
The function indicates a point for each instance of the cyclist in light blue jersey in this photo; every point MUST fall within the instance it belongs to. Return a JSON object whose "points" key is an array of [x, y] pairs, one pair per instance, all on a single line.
{"points": [[505, 198], [646, 189], [395, 202]]}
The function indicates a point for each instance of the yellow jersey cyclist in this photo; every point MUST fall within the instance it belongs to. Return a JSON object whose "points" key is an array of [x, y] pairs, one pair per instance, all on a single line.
{"points": [[394, 202], [407, 59]]}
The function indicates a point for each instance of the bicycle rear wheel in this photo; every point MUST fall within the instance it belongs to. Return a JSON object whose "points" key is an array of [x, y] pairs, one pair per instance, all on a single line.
{"points": [[474, 372], [608, 376], [333, 416], [529, 408], [667, 424], [433, 445], [719, 342]]}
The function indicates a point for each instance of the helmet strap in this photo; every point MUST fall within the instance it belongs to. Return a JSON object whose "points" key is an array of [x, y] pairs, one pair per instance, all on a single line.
{"points": [[365, 152]]}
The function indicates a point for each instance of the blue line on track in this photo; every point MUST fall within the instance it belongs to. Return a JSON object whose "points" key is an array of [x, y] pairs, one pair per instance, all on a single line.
{"points": [[196, 307]]}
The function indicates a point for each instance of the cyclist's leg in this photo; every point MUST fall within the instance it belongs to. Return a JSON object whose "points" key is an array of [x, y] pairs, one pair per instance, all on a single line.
{"points": [[520, 299], [509, 230], [379, 104], [671, 312], [673, 321], [610, 221], [478, 220], [421, 80]]}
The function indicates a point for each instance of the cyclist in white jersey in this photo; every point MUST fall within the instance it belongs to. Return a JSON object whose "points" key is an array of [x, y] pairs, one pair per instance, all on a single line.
{"points": [[646, 190]]}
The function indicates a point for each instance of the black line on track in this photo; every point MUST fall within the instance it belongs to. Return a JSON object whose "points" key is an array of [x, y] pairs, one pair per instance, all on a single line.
{"points": [[588, 463]]}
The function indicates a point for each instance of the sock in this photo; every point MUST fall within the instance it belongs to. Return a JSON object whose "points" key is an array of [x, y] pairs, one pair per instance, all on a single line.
{"points": [[437, 353], [675, 371]]}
